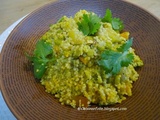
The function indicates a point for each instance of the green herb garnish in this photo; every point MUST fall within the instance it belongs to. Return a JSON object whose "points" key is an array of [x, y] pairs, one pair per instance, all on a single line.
{"points": [[112, 61], [116, 23], [43, 54], [90, 24]]}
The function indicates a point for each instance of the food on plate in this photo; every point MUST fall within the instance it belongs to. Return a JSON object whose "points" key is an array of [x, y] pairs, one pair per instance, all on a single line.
{"points": [[86, 59]]}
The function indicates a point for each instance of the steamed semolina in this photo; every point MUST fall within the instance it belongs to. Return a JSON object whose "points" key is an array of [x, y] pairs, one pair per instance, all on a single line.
{"points": [[76, 72]]}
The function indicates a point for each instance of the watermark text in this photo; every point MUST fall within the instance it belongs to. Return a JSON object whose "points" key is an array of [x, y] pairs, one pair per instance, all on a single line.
{"points": [[103, 108]]}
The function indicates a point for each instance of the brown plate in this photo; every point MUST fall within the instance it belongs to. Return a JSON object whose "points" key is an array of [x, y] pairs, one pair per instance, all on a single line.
{"points": [[27, 99]]}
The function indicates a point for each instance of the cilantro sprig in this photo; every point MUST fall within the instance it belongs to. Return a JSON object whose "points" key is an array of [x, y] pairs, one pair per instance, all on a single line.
{"points": [[90, 24], [42, 54], [112, 61], [116, 23]]}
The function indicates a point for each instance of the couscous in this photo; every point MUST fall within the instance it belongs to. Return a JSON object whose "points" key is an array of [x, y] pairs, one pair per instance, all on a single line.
{"points": [[76, 71]]}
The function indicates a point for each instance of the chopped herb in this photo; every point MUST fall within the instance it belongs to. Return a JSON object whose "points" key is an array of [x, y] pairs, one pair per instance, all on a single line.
{"points": [[90, 24], [108, 16], [43, 53], [112, 61], [116, 23]]}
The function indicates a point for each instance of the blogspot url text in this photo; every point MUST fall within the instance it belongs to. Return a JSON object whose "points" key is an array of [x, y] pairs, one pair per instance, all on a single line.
{"points": [[102, 109]]}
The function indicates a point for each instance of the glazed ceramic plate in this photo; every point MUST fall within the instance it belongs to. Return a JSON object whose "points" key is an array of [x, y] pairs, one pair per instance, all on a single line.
{"points": [[27, 98]]}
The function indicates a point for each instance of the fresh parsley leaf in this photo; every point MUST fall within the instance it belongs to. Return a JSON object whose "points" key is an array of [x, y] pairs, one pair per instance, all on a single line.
{"points": [[108, 60], [42, 49], [89, 24], [43, 54], [108, 16], [126, 45], [126, 59], [112, 61], [39, 66], [116, 23]]}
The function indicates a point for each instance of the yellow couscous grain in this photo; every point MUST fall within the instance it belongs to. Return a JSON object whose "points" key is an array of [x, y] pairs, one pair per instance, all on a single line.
{"points": [[75, 73]]}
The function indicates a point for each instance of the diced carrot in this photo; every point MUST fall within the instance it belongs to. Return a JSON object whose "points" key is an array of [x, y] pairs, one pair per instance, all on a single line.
{"points": [[81, 101], [125, 35], [83, 60]]}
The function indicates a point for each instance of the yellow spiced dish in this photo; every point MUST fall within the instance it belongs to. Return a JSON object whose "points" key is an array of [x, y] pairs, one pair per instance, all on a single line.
{"points": [[87, 57]]}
